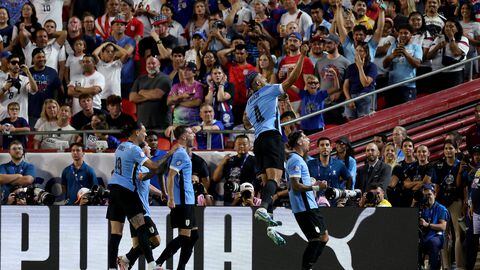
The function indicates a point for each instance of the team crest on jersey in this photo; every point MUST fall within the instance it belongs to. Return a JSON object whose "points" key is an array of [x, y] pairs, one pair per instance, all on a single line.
{"points": [[187, 222], [151, 229], [178, 163], [142, 154], [296, 168]]}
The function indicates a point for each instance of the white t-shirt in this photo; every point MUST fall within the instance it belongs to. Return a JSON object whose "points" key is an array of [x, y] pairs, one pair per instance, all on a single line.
{"points": [[437, 61], [75, 65], [112, 72], [49, 10], [379, 60], [96, 79], [53, 52], [243, 15], [48, 141], [16, 95], [177, 30], [303, 22]]}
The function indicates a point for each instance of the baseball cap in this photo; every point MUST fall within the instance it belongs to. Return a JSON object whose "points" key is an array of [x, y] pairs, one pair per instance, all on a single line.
{"points": [[192, 66], [119, 19], [249, 78], [246, 186], [81, 192], [296, 35], [343, 140], [5, 54], [429, 187], [159, 19], [332, 37], [129, 2], [200, 34]]}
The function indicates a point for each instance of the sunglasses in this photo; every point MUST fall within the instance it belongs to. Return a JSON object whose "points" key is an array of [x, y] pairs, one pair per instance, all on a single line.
{"points": [[313, 83], [14, 62]]}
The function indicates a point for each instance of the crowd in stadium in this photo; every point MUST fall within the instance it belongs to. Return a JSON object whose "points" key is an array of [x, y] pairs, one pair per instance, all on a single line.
{"points": [[102, 65]]}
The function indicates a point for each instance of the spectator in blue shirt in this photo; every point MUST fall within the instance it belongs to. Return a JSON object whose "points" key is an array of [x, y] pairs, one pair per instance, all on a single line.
{"points": [[346, 155], [23, 173], [433, 222], [403, 59], [360, 80], [329, 169], [77, 175], [157, 154], [209, 123], [13, 123]]}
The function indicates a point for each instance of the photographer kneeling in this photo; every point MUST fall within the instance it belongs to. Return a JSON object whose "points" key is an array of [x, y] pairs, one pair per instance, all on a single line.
{"points": [[98, 195], [433, 222], [30, 195], [246, 196], [375, 197]]}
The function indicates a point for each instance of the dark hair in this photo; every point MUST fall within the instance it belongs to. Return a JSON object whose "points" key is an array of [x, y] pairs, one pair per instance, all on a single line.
{"points": [[151, 133], [169, 6], [40, 30], [128, 130], [84, 96], [77, 144], [49, 21], [422, 29], [241, 136], [360, 27], [472, 14], [374, 186], [114, 100], [293, 138], [355, 1], [383, 136], [317, 5], [349, 152], [203, 69], [459, 34], [91, 56], [33, 17], [15, 142], [12, 56], [142, 145], [37, 51], [179, 131], [108, 45], [323, 139], [408, 139], [398, 7], [365, 47], [178, 50], [240, 47], [87, 14], [450, 142], [405, 26], [288, 114], [8, 14], [207, 11]]}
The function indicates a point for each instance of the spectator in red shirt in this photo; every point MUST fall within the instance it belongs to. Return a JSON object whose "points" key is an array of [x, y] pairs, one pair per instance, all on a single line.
{"points": [[134, 27], [294, 41], [236, 76]]}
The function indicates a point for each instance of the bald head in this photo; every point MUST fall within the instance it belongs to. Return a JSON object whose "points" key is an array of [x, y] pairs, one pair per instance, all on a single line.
{"points": [[372, 152]]}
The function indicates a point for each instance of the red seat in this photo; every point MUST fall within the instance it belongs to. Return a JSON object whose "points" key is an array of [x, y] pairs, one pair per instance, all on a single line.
{"points": [[164, 144], [129, 107]]}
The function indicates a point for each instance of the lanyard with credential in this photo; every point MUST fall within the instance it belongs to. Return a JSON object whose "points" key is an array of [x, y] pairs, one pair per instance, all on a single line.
{"points": [[75, 174]]}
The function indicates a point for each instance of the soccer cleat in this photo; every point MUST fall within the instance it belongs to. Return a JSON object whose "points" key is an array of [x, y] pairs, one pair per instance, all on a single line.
{"points": [[153, 266], [123, 263], [262, 214], [275, 236]]}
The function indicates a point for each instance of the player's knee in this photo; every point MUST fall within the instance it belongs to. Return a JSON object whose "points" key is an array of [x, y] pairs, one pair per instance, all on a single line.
{"points": [[194, 236], [137, 221]]}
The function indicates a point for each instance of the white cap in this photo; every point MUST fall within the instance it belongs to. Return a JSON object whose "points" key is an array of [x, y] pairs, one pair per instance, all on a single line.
{"points": [[81, 192], [246, 186]]}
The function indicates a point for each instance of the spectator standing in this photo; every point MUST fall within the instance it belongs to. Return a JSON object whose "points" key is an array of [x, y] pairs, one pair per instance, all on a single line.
{"points": [[346, 154], [375, 171], [15, 87], [49, 10], [116, 119], [6, 30], [150, 93], [472, 135], [220, 94], [48, 84], [91, 82], [175, 28], [293, 14], [77, 175], [104, 22], [134, 27]]}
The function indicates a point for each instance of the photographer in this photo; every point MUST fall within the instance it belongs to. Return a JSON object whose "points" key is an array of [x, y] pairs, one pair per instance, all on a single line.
{"points": [[375, 197], [77, 175], [16, 172], [30, 195], [17, 197], [202, 198], [433, 222], [236, 169], [246, 196], [82, 196]]}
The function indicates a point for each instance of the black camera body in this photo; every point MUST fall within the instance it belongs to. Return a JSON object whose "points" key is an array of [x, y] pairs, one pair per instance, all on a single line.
{"points": [[199, 189], [35, 196], [335, 193], [15, 82], [246, 194], [98, 195], [372, 198], [231, 187]]}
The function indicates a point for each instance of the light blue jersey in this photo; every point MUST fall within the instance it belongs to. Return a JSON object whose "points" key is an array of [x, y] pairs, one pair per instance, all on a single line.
{"points": [[182, 186], [143, 189], [262, 110], [128, 158], [300, 201]]}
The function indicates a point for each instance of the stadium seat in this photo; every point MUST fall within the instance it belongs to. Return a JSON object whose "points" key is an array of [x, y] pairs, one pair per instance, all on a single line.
{"points": [[129, 107]]}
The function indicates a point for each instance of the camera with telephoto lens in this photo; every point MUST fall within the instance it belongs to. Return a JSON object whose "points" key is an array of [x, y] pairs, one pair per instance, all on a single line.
{"points": [[98, 195], [335, 193], [231, 187], [199, 189], [35, 196], [421, 200]]}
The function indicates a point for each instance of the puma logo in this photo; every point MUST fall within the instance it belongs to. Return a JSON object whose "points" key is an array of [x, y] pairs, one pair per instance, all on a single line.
{"points": [[339, 245]]}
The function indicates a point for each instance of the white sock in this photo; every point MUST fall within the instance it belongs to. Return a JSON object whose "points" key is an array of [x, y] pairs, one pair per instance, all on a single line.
{"points": [[151, 265]]}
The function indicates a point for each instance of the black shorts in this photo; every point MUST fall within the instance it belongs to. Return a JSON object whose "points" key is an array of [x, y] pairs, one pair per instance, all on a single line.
{"points": [[123, 203], [152, 229], [269, 150], [311, 223], [183, 216]]}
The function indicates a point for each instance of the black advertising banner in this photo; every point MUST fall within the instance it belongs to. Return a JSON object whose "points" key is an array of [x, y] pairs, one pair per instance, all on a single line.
{"points": [[71, 238]]}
